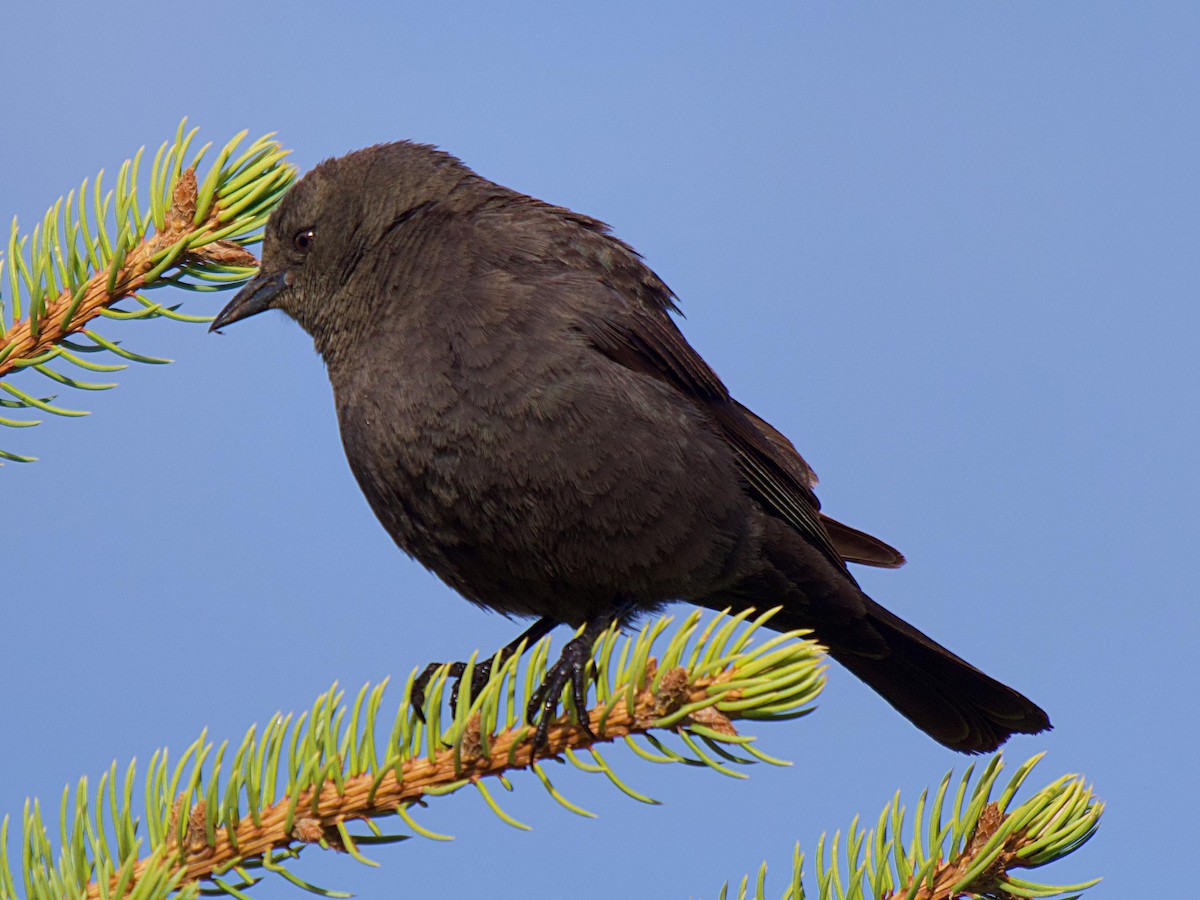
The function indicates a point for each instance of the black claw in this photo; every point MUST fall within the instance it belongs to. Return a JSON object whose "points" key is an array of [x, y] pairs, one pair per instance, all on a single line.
{"points": [[421, 682], [479, 674], [571, 668], [479, 677]]}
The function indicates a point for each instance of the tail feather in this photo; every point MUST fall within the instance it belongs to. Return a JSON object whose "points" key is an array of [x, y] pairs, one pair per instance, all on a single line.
{"points": [[945, 696]]}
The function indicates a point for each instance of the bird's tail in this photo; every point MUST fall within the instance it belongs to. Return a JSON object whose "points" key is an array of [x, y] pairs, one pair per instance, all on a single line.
{"points": [[945, 696]]}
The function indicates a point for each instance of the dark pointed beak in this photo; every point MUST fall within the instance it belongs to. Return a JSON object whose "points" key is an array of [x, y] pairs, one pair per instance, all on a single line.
{"points": [[254, 298]]}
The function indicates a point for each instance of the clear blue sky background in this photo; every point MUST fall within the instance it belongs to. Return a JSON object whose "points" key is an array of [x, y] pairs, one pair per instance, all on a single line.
{"points": [[951, 249]]}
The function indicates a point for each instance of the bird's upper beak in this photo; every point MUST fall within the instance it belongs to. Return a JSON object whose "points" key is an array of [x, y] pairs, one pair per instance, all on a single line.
{"points": [[252, 299]]}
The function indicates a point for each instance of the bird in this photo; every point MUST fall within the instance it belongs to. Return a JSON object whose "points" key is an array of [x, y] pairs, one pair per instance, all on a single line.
{"points": [[527, 421]]}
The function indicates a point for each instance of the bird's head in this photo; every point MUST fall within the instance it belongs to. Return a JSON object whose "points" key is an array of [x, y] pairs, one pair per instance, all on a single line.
{"points": [[327, 226]]}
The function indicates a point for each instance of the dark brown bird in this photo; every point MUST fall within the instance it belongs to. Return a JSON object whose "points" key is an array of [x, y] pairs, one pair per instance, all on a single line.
{"points": [[527, 421]]}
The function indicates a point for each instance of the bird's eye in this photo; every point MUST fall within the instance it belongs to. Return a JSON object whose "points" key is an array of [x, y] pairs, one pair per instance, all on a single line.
{"points": [[303, 240]]}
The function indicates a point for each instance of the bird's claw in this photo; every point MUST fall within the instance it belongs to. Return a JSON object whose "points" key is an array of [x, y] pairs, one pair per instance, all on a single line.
{"points": [[571, 668], [480, 674]]}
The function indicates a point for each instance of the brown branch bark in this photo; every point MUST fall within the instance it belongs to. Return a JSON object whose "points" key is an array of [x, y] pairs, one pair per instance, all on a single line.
{"points": [[131, 278], [199, 860]]}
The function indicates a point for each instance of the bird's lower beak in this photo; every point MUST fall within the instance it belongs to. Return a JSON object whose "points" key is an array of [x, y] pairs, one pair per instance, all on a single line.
{"points": [[254, 298]]}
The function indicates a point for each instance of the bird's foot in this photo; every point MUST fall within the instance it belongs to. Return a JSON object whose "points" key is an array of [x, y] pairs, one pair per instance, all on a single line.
{"points": [[572, 669], [481, 672]]}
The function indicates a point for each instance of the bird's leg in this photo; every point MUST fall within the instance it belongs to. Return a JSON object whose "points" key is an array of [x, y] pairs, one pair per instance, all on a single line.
{"points": [[571, 668], [481, 672]]}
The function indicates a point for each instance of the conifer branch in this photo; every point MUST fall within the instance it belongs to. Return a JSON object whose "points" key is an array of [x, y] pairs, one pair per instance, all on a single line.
{"points": [[313, 816], [70, 311], [327, 778], [974, 852], [94, 249], [203, 821]]}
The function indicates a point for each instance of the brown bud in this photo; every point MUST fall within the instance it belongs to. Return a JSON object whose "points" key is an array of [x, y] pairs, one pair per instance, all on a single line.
{"points": [[308, 831], [197, 836], [471, 743], [183, 204], [673, 690]]}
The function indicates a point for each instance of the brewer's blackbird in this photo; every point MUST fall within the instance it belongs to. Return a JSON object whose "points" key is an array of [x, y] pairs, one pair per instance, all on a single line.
{"points": [[528, 422]]}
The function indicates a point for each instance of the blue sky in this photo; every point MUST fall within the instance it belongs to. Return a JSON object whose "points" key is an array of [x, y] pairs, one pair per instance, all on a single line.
{"points": [[950, 249]]}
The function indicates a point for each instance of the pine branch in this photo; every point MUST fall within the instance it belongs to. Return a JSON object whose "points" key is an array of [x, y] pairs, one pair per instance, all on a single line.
{"points": [[79, 266], [974, 853], [305, 781], [225, 826]]}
